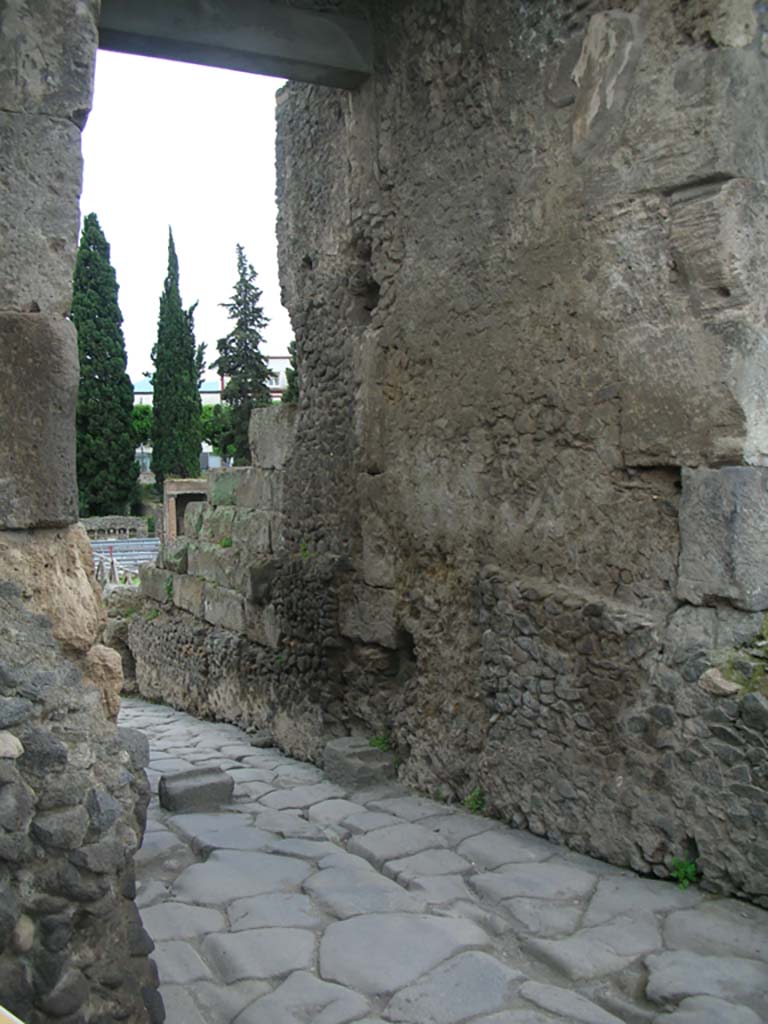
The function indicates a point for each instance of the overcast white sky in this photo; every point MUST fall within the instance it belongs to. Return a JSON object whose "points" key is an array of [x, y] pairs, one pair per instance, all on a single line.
{"points": [[193, 147]]}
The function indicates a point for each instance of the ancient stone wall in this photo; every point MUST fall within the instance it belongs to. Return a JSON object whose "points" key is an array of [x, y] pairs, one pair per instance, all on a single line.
{"points": [[98, 527], [72, 794], [525, 265]]}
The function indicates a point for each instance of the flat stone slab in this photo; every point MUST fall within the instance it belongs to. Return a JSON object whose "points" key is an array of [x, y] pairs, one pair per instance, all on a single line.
{"points": [[411, 808], [455, 828], [567, 1004], [545, 918], [273, 910], [495, 848], [678, 974], [545, 881], [260, 953], [626, 894], [195, 789], [463, 987], [439, 889], [707, 1010], [721, 928], [302, 796], [346, 893], [605, 949], [247, 837], [367, 821], [173, 920], [380, 953], [178, 963], [333, 812], [392, 842], [157, 844], [234, 873], [288, 825], [193, 825], [305, 999], [430, 862]]}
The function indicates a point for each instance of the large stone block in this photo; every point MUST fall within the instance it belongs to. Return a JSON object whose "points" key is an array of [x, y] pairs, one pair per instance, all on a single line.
{"points": [[216, 564], [54, 569], [252, 531], [195, 789], [39, 377], [271, 434], [189, 594], [724, 537], [40, 163], [47, 55], [156, 584], [225, 608], [352, 762], [262, 625], [368, 614]]}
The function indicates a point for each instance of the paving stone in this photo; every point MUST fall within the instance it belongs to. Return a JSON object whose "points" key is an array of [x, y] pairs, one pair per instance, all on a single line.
{"points": [[720, 928], [222, 1003], [431, 862], [302, 796], [520, 1017], [411, 808], [251, 790], [288, 825], [150, 891], [195, 789], [392, 842], [346, 893], [250, 775], [406, 946], [214, 761], [485, 917], [180, 1007], [545, 881], [333, 812], [545, 918], [463, 987], [178, 963], [260, 953], [171, 920], [193, 825], [454, 828], [342, 859], [305, 999], [233, 873], [615, 896], [678, 974], [164, 765], [156, 844], [274, 910], [495, 848], [237, 750], [567, 1004], [367, 821], [307, 849], [246, 838], [595, 952], [301, 773], [440, 888], [707, 1010]]}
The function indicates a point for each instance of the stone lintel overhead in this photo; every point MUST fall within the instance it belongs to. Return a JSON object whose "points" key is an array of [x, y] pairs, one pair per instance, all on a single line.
{"points": [[243, 35]]}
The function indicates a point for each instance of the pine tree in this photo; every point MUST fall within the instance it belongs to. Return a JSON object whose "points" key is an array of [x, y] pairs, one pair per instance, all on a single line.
{"points": [[107, 470], [240, 359], [178, 364], [291, 394]]}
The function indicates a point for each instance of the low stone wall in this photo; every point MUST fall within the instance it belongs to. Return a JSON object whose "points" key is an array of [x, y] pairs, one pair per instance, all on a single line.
{"points": [[120, 527], [73, 798]]}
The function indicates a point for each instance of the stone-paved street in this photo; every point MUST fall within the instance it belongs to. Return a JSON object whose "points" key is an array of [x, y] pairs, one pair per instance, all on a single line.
{"points": [[300, 903]]}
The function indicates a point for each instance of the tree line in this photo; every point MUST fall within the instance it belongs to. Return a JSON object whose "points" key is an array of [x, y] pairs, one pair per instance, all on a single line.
{"points": [[110, 427]]}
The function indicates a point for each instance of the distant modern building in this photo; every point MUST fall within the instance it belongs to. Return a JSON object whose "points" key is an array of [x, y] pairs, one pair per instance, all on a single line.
{"points": [[210, 394]]}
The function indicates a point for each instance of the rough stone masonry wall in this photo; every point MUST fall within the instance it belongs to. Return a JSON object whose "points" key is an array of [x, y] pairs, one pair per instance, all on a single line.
{"points": [[525, 265], [72, 793]]}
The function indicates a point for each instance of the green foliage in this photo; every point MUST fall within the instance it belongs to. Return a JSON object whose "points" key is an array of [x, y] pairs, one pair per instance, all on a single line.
{"points": [[475, 802], [106, 468], [304, 550], [217, 429], [684, 871], [151, 614], [225, 542], [151, 526], [240, 359], [169, 587], [380, 742], [142, 424], [291, 393], [178, 365]]}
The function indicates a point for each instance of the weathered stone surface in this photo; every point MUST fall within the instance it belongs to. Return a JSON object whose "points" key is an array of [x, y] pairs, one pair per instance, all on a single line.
{"points": [[260, 953], [547, 881], [605, 949], [348, 892], [273, 910], [622, 895], [38, 479], [570, 1005], [189, 594], [195, 789], [676, 975], [394, 841], [463, 987], [706, 1010], [368, 614], [245, 874], [493, 849], [225, 608], [302, 796], [156, 584], [179, 963], [724, 928], [11, 746], [407, 946], [303, 997], [271, 435], [352, 763], [103, 668], [180, 921], [430, 862], [714, 682], [723, 521]]}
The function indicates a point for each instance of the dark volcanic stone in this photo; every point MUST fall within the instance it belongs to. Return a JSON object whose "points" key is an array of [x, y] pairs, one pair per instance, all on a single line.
{"points": [[14, 711]]}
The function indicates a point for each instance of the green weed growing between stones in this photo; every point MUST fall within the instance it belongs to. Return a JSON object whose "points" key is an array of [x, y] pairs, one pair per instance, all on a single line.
{"points": [[380, 742], [684, 871], [169, 588], [475, 802], [225, 542]]}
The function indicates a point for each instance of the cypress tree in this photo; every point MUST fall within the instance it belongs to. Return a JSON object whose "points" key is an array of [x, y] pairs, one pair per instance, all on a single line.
{"points": [[240, 358], [176, 379], [107, 470]]}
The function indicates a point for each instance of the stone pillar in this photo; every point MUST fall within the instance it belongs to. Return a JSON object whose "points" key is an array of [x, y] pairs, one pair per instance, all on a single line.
{"points": [[72, 798]]}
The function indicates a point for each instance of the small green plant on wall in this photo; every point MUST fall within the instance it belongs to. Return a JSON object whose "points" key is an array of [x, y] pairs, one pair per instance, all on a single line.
{"points": [[380, 742], [169, 588], [225, 542], [684, 871], [475, 802]]}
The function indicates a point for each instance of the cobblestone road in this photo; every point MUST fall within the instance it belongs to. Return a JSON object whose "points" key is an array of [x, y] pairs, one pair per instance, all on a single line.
{"points": [[300, 903]]}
